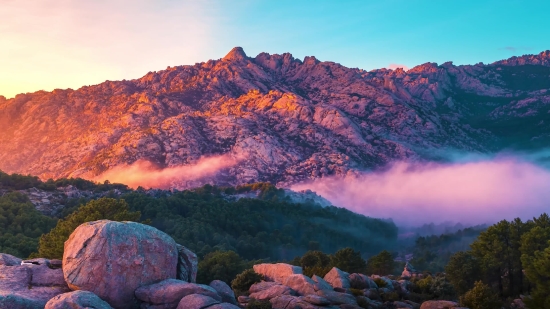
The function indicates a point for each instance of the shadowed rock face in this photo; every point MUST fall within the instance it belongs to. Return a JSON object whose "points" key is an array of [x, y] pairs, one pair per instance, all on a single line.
{"points": [[288, 120], [112, 259]]}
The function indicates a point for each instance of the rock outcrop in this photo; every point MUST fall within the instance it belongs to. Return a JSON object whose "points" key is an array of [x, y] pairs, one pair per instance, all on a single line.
{"points": [[77, 300], [188, 264], [282, 119], [113, 259], [277, 272]]}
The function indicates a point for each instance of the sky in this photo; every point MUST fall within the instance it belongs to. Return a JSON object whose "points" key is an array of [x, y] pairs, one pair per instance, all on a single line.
{"points": [[49, 44]]}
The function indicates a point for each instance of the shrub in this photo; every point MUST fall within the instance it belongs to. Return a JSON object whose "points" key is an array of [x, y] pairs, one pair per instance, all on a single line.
{"points": [[480, 297], [380, 282], [381, 264], [391, 296], [220, 265], [51, 244], [258, 304], [357, 292], [349, 261], [241, 284]]}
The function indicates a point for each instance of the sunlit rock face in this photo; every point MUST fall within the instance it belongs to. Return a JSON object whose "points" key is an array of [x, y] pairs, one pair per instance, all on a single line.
{"points": [[278, 118]]}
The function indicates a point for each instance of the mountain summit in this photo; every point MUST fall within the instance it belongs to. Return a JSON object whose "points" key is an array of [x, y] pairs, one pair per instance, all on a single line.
{"points": [[282, 119]]}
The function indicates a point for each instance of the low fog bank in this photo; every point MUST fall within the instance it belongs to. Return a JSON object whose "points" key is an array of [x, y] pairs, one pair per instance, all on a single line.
{"points": [[412, 194], [145, 174]]}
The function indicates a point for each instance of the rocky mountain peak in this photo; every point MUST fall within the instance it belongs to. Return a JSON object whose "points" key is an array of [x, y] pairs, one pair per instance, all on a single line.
{"points": [[236, 54]]}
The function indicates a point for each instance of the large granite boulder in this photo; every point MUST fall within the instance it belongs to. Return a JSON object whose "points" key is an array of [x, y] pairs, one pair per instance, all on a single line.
{"points": [[300, 283], [188, 264], [277, 272], [439, 304], [168, 293], [272, 292], [321, 284], [9, 260], [287, 302], [77, 300], [226, 293], [260, 286], [360, 281], [224, 306], [196, 301], [337, 297], [337, 278], [30, 285], [113, 259]]}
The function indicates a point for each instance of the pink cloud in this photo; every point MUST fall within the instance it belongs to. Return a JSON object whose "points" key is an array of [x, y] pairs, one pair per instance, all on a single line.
{"points": [[394, 66], [412, 194], [145, 174]]}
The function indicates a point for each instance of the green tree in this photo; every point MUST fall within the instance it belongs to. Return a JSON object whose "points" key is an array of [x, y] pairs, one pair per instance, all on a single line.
{"points": [[315, 263], [348, 260], [51, 244], [463, 271], [242, 283], [381, 264], [480, 297], [220, 265]]}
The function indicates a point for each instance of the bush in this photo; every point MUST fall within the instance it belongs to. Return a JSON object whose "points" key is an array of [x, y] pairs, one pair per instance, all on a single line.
{"points": [[258, 304], [480, 297], [51, 244], [357, 292], [391, 296], [242, 283], [380, 282], [349, 261], [381, 264], [220, 265]]}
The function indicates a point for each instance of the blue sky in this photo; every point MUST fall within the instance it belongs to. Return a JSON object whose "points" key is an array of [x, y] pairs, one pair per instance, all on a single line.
{"points": [[66, 43]]}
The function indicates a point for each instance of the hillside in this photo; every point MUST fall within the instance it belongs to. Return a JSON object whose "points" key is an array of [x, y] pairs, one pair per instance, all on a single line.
{"points": [[276, 118]]}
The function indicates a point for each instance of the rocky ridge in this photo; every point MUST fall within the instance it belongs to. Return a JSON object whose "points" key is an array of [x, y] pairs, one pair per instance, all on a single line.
{"points": [[283, 119]]}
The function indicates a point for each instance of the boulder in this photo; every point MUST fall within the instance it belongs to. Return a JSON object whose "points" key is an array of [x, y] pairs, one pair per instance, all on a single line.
{"points": [[348, 306], [113, 259], [243, 299], [400, 304], [9, 260], [408, 271], [77, 300], [170, 291], [30, 285], [224, 306], [337, 297], [439, 304], [320, 284], [277, 272], [272, 292], [260, 286], [337, 278], [196, 301], [303, 285], [287, 302], [226, 293], [188, 264], [360, 281], [316, 300]]}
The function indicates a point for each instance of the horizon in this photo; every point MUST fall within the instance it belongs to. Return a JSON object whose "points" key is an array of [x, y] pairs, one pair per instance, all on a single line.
{"points": [[62, 44]]}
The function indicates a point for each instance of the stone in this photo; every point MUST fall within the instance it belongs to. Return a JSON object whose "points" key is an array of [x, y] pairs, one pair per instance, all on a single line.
{"points": [[9, 260], [77, 300], [303, 285], [272, 292], [438, 304], [360, 281], [321, 284], [30, 285], [287, 302], [243, 299], [400, 304], [224, 306], [337, 297], [408, 271], [225, 291], [316, 300], [196, 301], [169, 292], [277, 272], [113, 259], [337, 278], [188, 264], [260, 286]]}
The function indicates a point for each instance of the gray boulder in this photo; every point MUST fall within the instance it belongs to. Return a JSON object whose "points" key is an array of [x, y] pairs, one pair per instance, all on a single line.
{"points": [[224, 306], [29, 285], [260, 286], [188, 264], [77, 300], [272, 292], [277, 272], [9, 260], [360, 281], [168, 293], [316, 300], [287, 301], [321, 284], [226, 293], [113, 259], [196, 301], [300, 283], [337, 297], [337, 278]]}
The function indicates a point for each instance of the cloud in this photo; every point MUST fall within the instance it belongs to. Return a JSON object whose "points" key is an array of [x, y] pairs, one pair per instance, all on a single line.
{"points": [[470, 192], [514, 49], [143, 173], [394, 66]]}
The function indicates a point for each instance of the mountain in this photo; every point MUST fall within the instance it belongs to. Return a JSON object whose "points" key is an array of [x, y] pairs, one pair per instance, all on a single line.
{"points": [[278, 118]]}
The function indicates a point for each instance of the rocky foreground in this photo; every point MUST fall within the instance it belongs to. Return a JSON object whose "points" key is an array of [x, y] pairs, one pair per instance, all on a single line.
{"points": [[277, 118], [109, 264]]}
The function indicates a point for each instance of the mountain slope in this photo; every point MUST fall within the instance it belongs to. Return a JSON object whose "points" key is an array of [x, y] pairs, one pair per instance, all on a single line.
{"points": [[284, 120]]}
